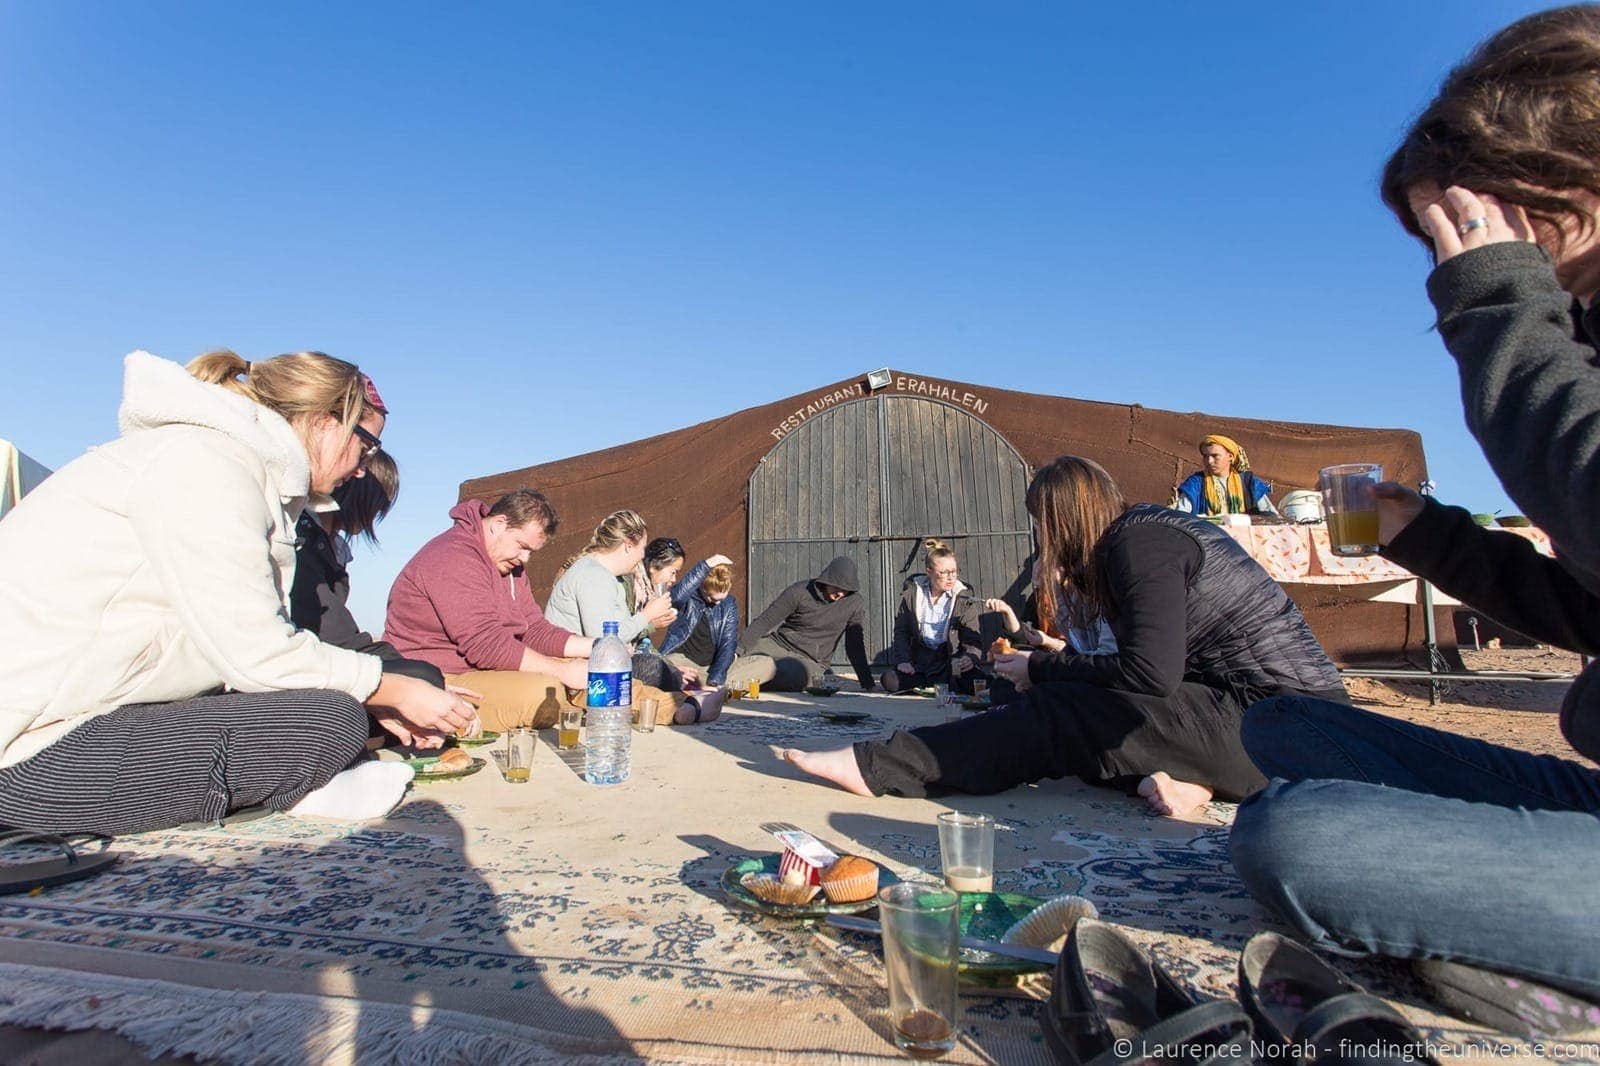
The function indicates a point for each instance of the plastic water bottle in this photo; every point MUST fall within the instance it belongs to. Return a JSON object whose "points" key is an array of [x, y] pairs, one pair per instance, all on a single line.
{"points": [[610, 741]]}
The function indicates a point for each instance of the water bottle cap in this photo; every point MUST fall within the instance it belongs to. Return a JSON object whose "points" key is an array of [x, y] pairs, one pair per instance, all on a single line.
{"points": [[609, 629]]}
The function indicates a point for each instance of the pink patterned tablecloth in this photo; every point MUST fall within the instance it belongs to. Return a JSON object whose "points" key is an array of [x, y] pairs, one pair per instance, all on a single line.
{"points": [[1299, 554]]}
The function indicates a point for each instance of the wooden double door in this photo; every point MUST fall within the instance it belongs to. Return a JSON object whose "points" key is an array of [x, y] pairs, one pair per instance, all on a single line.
{"points": [[871, 479]]}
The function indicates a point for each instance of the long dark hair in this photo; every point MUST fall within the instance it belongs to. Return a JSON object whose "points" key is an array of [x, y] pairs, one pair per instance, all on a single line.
{"points": [[1518, 119], [1073, 502], [363, 501], [661, 553]]}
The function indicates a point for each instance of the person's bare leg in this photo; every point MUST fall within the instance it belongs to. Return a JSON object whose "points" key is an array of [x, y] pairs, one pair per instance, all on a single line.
{"points": [[1174, 799], [838, 766]]}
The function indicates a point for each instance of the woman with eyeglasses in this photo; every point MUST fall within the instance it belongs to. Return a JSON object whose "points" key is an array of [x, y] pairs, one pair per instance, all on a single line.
{"points": [[152, 675], [937, 639]]}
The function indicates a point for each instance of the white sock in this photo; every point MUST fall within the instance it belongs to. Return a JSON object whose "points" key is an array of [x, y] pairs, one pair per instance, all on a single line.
{"points": [[365, 791]]}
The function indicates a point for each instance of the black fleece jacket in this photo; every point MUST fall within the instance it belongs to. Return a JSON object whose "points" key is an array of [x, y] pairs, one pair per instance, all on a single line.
{"points": [[1530, 386], [1500, 574]]}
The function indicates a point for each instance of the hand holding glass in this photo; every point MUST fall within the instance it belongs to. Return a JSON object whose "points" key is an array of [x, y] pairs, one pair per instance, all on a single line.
{"points": [[1351, 507]]}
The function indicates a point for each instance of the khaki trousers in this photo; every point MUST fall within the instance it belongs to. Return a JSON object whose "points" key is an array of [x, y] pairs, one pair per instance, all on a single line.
{"points": [[745, 669], [514, 698]]}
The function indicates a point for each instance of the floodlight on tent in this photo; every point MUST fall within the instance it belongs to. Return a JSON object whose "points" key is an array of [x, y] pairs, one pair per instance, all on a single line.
{"points": [[878, 379]]}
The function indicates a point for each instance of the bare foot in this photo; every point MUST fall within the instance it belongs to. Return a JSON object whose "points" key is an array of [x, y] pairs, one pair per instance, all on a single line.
{"points": [[1173, 799], [838, 766]]}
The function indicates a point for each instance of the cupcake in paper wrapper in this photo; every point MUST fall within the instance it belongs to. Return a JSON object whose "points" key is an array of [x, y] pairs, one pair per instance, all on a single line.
{"points": [[850, 880]]}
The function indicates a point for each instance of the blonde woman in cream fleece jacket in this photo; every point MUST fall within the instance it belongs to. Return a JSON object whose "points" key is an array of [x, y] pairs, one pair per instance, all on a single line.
{"points": [[151, 674]]}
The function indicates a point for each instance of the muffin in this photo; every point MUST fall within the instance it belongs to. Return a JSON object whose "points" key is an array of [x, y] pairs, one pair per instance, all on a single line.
{"points": [[850, 880]]}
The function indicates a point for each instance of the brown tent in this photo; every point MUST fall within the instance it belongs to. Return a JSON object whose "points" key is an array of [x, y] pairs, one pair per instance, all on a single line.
{"points": [[868, 468]]}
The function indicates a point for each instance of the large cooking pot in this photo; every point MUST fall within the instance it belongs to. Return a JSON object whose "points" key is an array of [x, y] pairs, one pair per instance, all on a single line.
{"points": [[1301, 505]]}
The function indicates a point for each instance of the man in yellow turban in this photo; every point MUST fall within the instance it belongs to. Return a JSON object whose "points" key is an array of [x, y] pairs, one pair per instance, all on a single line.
{"points": [[1224, 484]]}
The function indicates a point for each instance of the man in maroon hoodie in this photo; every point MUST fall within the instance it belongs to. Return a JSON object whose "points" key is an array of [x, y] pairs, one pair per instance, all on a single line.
{"points": [[461, 604]]}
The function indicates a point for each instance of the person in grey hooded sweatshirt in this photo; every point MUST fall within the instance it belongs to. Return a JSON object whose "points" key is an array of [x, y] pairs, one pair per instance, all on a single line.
{"points": [[802, 627]]}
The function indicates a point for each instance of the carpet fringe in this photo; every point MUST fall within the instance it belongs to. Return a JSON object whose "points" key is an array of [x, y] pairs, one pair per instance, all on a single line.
{"points": [[278, 1029]]}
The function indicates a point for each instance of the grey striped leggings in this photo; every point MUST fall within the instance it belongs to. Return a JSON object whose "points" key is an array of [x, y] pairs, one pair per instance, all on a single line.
{"points": [[156, 765]]}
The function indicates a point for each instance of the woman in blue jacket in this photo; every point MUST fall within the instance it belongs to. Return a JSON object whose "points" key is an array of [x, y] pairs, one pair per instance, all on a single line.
{"points": [[705, 636]]}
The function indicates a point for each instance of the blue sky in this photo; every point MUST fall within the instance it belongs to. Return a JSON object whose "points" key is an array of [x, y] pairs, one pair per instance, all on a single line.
{"points": [[546, 229]]}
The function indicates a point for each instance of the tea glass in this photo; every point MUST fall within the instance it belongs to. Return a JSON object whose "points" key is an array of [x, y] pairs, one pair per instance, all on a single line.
{"points": [[1351, 506], [921, 934]]}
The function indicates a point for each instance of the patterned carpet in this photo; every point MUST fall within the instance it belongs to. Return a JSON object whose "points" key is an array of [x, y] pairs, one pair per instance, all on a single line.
{"points": [[555, 921]]}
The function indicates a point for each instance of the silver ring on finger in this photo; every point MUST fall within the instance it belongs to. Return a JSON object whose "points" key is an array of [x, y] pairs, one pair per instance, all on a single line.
{"points": [[1471, 224]]}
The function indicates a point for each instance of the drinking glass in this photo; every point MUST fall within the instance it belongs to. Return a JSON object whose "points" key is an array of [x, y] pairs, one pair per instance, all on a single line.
{"points": [[567, 728], [752, 689], [966, 851], [1351, 506], [647, 715], [519, 755], [980, 690], [921, 936]]}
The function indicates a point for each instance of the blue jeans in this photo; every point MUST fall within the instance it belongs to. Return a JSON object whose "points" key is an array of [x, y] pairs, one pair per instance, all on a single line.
{"points": [[1381, 837]]}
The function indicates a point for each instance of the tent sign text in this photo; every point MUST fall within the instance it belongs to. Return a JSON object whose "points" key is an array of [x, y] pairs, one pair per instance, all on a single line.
{"points": [[916, 386], [938, 390]]}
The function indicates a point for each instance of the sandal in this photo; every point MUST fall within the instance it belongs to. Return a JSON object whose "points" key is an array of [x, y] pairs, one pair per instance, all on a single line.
{"points": [[1299, 1000], [1510, 1004], [1111, 1004], [43, 873]]}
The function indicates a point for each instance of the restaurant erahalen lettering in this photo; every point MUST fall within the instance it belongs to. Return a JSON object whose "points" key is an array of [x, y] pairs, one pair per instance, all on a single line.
{"points": [[934, 390]]}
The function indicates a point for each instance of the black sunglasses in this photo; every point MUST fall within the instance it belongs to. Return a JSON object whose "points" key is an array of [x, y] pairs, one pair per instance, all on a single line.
{"points": [[372, 443]]}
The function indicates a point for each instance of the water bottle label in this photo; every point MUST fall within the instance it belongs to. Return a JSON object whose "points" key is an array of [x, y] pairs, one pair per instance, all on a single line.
{"points": [[611, 690]]}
